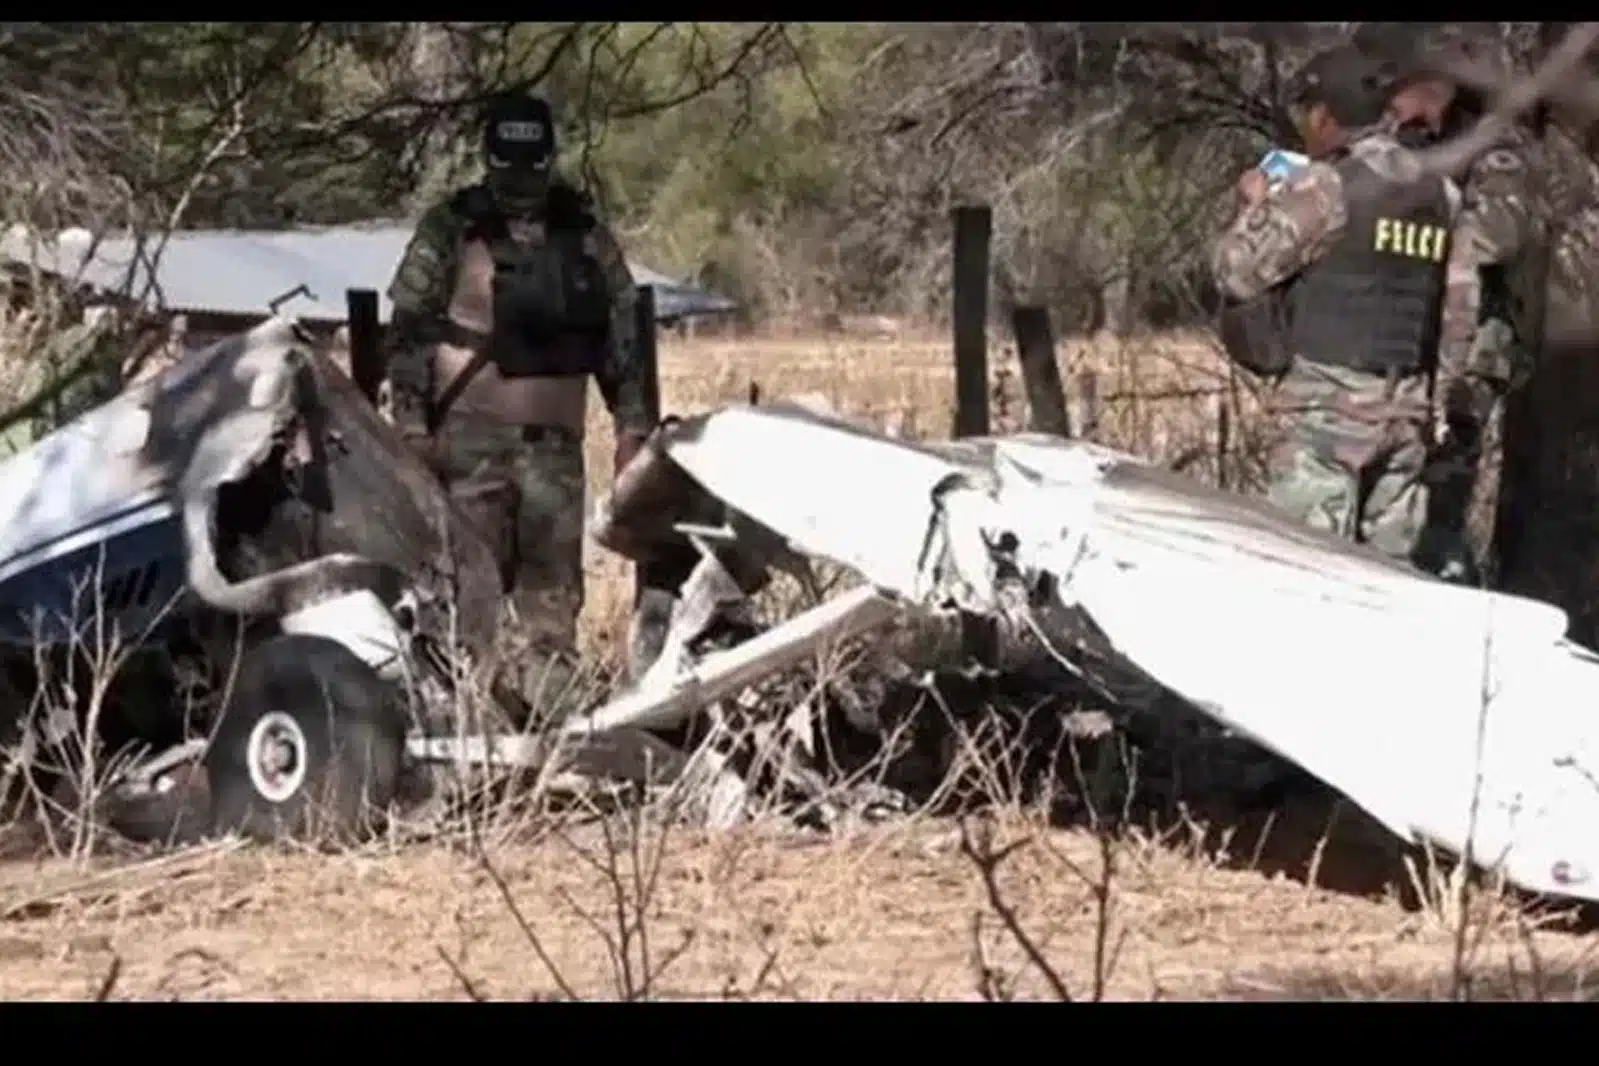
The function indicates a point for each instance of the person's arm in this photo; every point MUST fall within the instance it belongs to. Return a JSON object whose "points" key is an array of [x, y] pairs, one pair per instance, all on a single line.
{"points": [[1494, 225], [420, 295], [621, 379], [1498, 201], [1271, 240], [1464, 398]]}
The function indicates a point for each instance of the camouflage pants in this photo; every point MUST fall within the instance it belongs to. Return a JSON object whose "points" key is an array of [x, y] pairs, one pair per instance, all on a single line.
{"points": [[524, 488], [1496, 355], [1357, 463]]}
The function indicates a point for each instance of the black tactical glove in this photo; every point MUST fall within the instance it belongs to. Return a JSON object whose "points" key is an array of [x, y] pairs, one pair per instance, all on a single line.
{"points": [[1467, 405]]}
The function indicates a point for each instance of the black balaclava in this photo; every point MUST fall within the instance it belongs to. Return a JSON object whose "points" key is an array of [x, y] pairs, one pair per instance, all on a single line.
{"points": [[519, 149]]}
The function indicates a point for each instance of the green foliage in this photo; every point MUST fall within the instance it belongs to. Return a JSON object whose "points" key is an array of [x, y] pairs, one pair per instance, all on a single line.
{"points": [[799, 165], [753, 151]]}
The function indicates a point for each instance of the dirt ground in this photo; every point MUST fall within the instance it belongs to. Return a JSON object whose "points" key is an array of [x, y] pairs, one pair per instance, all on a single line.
{"points": [[897, 911]]}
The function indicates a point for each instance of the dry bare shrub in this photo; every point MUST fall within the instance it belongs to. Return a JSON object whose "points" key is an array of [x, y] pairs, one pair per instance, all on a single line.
{"points": [[82, 673]]}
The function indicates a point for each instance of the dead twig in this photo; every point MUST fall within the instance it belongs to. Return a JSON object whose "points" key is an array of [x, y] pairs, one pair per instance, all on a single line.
{"points": [[467, 986], [980, 851], [108, 983], [508, 898]]}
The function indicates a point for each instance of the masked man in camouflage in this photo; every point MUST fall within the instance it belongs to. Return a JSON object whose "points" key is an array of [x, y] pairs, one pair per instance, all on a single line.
{"points": [[1482, 352], [510, 296], [1335, 282]]}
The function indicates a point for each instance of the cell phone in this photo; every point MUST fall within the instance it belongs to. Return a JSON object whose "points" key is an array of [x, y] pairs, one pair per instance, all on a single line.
{"points": [[1279, 165]]}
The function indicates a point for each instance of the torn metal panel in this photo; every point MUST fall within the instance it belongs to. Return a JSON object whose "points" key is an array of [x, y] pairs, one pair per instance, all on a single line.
{"points": [[1452, 715], [106, 492], [832, 488]]}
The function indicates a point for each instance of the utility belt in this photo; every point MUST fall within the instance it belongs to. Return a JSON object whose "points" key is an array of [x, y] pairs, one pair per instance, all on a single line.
{"points": [[567, 354], [568, 358], [1260, 335], [1256, 336]]}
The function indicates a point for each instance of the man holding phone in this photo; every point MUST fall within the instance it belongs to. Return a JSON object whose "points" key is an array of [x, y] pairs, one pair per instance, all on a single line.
{"points": [[1334, 281]]}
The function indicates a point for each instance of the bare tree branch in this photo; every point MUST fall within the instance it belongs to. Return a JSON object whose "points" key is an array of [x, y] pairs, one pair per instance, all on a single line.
{"points": [[1516, 98]]}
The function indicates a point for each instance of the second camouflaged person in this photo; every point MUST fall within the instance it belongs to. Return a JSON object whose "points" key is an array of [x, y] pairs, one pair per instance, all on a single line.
{"points": [[1482, 353], [1335, 283], [510, 296]]}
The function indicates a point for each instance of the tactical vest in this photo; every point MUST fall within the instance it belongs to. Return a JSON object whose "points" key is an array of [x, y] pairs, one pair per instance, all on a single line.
{"points": [[548, 308], [1372, 302]]}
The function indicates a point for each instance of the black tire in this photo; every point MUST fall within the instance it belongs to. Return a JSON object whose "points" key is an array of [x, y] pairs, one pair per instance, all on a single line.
{"points": [[322, 701]]}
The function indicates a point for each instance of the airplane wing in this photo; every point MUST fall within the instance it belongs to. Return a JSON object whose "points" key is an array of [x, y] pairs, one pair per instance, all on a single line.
{"points": [[1452, 715]]}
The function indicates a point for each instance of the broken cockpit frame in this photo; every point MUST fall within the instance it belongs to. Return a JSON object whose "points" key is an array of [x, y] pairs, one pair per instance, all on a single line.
{"points": [[273, 533]]}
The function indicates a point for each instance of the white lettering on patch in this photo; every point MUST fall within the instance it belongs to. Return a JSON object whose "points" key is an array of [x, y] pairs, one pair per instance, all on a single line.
{"points": [[521, 131]]}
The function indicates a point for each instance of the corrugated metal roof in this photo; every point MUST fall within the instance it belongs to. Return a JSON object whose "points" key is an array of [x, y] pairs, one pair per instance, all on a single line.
{"points": [[243, 271]]}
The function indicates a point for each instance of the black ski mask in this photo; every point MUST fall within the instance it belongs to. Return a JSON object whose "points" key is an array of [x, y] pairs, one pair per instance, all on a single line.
{"points": [[519, 148]]}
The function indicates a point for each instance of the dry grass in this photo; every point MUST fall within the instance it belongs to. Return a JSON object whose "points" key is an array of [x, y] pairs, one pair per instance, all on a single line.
{"points": [[890, 913], [1295, 903]]}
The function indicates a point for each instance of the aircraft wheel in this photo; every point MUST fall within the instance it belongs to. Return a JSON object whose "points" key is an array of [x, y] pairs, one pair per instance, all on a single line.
{"points": [[310, 746]]}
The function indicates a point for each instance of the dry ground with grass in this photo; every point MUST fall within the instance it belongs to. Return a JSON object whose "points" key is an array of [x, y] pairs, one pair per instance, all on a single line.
{"points": [[1291, 904], [894, 912]]}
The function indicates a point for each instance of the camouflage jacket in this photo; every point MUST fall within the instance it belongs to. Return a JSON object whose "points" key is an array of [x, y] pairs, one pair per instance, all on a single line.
{"points": [[1269, 242], [425, 280], [1497, 229]]}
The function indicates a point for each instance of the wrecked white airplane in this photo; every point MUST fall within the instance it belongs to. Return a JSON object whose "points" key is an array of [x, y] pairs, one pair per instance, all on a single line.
{"points": [[238, 491]]}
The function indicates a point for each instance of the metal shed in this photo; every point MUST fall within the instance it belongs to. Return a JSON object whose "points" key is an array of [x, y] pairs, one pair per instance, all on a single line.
{"points": [[305, 272]]}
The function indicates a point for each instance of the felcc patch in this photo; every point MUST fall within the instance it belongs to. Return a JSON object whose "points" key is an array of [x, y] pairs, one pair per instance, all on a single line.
{"points": [[521, 131]]}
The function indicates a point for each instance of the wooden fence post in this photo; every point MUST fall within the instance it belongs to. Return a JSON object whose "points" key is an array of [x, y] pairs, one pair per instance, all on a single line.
{"points": [[645, 336], [1224, 422], [366, 341], [973, 226], [1035, 350], [662, 572], [657, 579]]}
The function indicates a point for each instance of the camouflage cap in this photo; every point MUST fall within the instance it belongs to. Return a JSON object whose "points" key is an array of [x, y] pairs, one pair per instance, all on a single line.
{"points": [[1354, 84]]}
